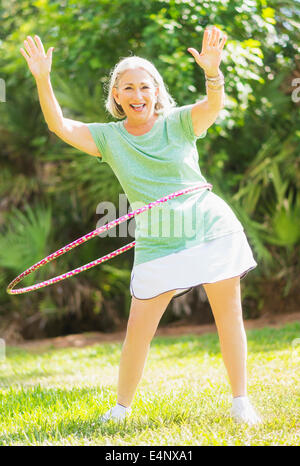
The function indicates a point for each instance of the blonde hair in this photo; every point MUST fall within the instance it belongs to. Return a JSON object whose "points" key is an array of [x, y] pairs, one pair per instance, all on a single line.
{"points": [[165, 101]]}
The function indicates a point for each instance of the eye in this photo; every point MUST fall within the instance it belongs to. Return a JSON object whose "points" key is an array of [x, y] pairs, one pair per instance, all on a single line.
{"points": [[129, 87]]}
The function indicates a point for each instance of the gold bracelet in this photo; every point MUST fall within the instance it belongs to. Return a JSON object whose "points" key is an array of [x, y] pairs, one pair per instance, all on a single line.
{"points": [[215, 88], [215, 78], [215, 83]]}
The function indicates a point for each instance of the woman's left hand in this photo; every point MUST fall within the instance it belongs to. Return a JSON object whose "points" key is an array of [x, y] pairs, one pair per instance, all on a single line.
{"points": [[210, 57]]}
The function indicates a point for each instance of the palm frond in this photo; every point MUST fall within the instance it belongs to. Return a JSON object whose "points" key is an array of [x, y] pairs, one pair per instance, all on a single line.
{"points": [[77, 100], [26, 239], [82, 174]]}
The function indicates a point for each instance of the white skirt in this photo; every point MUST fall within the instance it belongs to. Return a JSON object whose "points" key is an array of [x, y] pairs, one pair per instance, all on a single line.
{"points": [[208, 262]]}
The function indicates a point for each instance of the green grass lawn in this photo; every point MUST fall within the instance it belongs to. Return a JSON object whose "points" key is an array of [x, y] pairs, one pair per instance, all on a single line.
{"points": [[56, 396]]}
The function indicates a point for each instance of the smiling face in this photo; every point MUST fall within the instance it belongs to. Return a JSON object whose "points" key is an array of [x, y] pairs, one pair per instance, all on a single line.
{"points": [[136, 93]]}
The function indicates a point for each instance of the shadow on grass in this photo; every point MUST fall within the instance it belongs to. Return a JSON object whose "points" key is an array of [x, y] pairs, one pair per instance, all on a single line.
{"points": [[55, 426]]}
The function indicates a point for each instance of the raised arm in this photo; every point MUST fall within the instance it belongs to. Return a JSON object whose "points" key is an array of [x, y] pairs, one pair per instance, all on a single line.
{"points": [[205, 112], [72, 132]]}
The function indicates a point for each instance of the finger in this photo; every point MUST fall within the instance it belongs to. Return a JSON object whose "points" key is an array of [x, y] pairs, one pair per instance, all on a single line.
{"points": [[194, 52], [211, 35], [197, 56], [49, 53], [39, 44], [222, 43], [24, 54], [32, 45], [28, 48], [206, 38], [215, 37]]}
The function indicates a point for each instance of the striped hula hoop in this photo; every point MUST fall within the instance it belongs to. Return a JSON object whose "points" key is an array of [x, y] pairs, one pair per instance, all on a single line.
{"points": [[87, 237]]}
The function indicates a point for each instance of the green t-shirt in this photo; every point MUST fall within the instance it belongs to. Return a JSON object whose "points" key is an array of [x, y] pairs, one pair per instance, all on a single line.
{"points": [[153, 165]]}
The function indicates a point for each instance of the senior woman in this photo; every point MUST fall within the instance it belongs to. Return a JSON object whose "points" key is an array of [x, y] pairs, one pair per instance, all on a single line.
{"points": [[152, 151]]}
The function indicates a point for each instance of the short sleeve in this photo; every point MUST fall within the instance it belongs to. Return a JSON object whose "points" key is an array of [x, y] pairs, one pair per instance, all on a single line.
{"points": [[182, 116], [97, 132]]}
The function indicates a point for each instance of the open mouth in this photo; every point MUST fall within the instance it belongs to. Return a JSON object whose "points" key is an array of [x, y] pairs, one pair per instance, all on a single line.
{"points": [[138, 108]]}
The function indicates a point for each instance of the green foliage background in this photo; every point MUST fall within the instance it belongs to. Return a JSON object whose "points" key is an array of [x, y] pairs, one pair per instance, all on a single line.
{"points": [[49, 191]]}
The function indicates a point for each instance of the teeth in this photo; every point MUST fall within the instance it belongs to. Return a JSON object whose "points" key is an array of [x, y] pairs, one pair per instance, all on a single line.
{"points": [[137, 106]]}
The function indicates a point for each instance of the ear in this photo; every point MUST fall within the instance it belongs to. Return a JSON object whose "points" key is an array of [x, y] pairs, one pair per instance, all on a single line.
{"points": [[115, 94]]}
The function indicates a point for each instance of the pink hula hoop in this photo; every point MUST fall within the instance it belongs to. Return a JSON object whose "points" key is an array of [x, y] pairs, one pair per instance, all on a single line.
{"points": [[85, 238]]}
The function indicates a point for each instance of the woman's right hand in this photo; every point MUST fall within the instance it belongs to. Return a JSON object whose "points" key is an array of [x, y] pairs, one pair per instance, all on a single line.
{"points": [[38, 62]]}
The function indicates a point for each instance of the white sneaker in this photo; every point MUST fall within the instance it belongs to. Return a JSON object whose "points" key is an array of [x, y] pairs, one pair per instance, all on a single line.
{"points": [[242, 411], [117, 413]]}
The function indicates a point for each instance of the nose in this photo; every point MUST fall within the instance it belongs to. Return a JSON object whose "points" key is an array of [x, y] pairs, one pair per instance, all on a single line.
{"points": [[138, 94]]}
